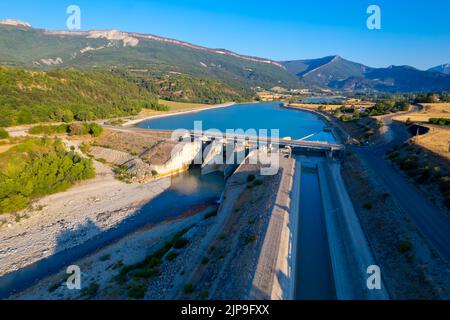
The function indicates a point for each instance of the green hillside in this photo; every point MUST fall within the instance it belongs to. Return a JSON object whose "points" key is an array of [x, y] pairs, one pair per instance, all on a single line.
{"points": [[27, 47], [67, 95]]}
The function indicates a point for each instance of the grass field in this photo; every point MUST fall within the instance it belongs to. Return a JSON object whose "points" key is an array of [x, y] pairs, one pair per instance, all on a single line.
{"points": [[174, 107], [331, 107], [182, 106], [436, 140], [315, 106], [430, 110]]}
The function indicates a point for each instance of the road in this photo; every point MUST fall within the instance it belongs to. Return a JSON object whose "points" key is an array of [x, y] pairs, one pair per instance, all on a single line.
{"points": [[429, 219]]}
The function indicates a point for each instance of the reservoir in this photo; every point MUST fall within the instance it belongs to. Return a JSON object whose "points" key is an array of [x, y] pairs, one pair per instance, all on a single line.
{"points": [[291, 123]]}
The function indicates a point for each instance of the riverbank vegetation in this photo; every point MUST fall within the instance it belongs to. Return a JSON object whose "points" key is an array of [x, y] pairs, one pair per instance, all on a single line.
{"points": [[38, 167], [73, 129], [440, 121], [4, 134]]}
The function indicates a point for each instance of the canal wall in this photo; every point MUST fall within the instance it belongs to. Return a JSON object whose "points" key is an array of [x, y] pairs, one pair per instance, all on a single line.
{"points": [[275, 272], [349, 250]]}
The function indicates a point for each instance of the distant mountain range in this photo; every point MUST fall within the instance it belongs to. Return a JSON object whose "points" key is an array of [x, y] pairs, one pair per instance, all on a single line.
{"points": [[144, 54], [444, 68], [337, 73]]}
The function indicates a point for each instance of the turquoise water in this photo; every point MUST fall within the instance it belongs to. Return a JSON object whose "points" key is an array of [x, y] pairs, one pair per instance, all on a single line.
{"points": [[291, 123]]}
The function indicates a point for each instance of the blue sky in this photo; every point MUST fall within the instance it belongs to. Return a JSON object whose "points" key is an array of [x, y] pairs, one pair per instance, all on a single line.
{"points": [[414, 32]]}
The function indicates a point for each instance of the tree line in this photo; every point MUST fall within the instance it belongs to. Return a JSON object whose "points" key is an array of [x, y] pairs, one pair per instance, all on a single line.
{"points": [[67, 95]]}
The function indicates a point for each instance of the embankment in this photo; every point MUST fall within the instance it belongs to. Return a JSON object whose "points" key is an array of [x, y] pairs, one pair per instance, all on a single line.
{"points": [[275, 272], [349, 250]]}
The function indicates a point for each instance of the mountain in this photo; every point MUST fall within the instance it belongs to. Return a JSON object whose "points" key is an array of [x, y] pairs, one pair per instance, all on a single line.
{"points": [[395, 79], [173, 62], [444, 68], [323, 71], [23, 46], [337, 73]]}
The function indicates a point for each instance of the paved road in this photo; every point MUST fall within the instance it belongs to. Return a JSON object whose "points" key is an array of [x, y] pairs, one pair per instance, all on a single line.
{"points": [[430, 220]]}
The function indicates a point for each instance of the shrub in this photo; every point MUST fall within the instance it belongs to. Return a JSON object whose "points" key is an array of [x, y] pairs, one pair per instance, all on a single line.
{"points": [[171, 255], [136, 291], [409, 163], [85, 147], [258, 182], [188, 288], [146, 273], [90, 291], [205, 260], [204, 294], [248, 239], [38, 167], [251, 178], [56, 129], [404, 247], [440, 121], [121, 169], [367, 206], [115, 122], [4, 134], [105, 257], [94, 129], [156, 106], [53, 287], [425, 175], [180, 243], [211, 214], [393, 155]]}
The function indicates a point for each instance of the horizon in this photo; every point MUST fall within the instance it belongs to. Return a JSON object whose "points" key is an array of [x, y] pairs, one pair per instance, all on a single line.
{"points": [[329, 29]]}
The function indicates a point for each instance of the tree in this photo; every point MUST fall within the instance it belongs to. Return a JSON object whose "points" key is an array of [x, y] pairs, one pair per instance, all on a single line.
{"points": [[4, 134]]}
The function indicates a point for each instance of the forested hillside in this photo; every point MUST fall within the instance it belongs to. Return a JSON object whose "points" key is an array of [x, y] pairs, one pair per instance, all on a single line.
{"points": [[67, 95], [187, 89]]}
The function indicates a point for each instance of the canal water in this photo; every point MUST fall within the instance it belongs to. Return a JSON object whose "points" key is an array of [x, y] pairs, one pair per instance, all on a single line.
{"points": [[314, 276]]}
